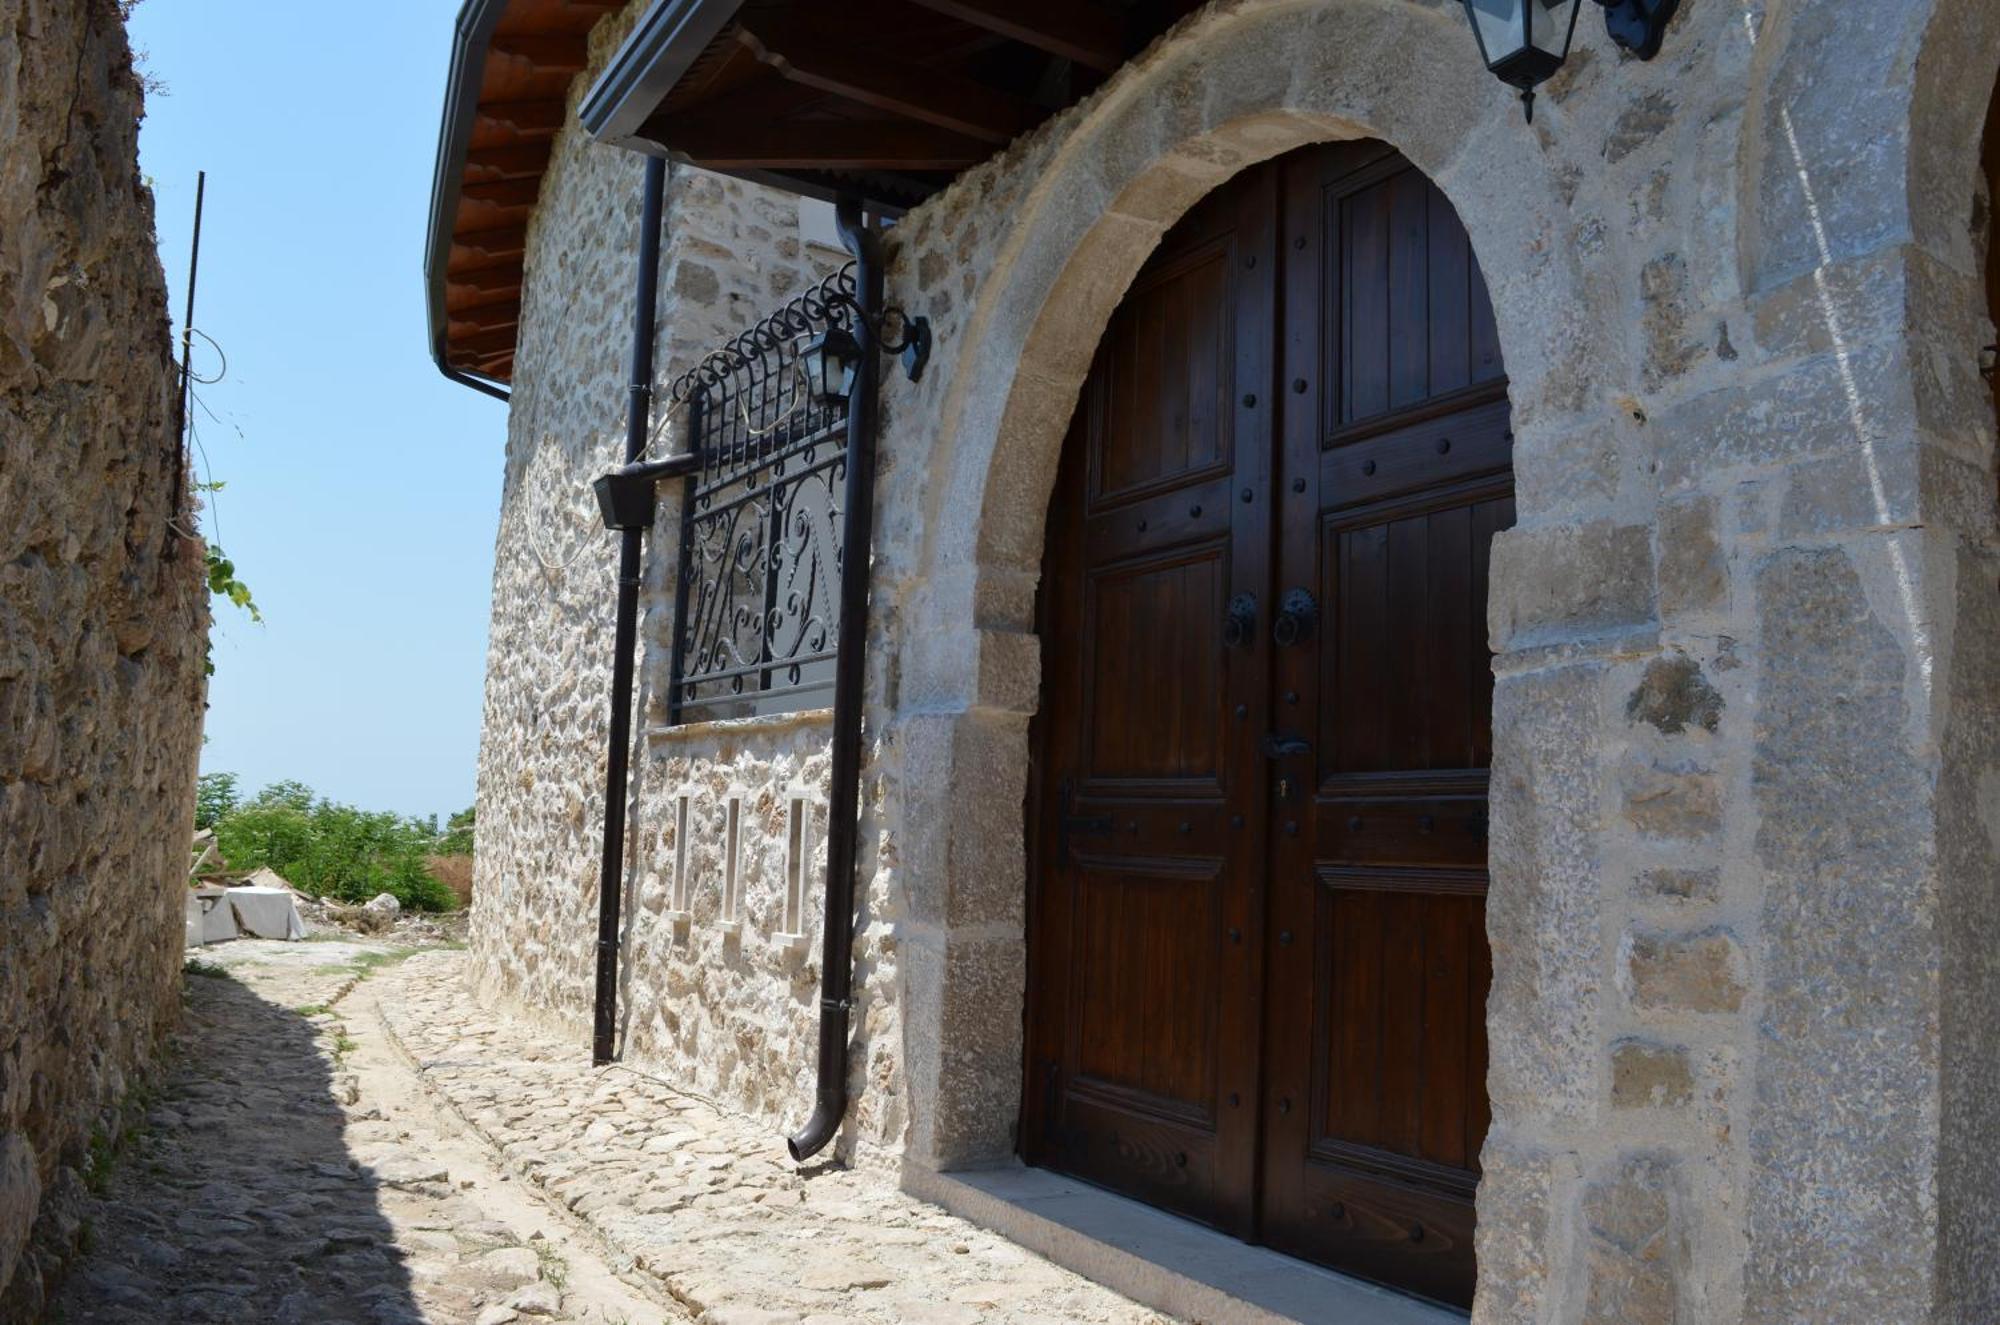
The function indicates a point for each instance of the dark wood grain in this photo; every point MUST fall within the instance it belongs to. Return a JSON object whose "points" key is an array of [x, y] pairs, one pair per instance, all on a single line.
{"points": [[1378, 958], [1257, 980], [1141, 978]]}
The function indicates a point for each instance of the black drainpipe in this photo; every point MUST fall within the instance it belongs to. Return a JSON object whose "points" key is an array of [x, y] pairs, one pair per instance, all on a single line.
{"points": [[611, 871], [850, 669]]}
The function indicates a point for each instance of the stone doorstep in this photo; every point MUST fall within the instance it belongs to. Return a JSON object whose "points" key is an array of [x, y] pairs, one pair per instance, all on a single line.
{"points": [[1159, 1260]]}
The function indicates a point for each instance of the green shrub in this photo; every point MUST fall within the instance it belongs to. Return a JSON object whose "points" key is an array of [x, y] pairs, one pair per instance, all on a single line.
{"points": [[214, 798], [332, 850]]}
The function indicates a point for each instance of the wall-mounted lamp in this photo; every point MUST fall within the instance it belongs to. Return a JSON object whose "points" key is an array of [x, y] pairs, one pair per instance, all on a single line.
{"points": [[1524, 42], [829, 359]]}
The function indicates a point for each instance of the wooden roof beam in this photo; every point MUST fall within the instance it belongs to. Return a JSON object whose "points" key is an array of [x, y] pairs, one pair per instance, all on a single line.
{"points": [[821, 145], [1072, 29], [504, 192], [508, 241], [484, 277], [522, 117], [813, 56], [487, 317], [479, 345], [520, 160], [551, 54]]}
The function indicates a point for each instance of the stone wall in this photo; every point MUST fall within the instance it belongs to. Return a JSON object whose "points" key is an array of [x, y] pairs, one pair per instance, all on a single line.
{"points": [[1744, 879], [1740, 871], [101, 634], [727, 1008]]}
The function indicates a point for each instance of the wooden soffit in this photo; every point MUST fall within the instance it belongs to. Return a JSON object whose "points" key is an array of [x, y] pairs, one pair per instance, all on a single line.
{"points": [[512, 65], [884, 99]]}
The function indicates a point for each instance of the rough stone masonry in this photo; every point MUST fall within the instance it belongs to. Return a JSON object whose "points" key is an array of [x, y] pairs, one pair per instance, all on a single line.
{"points": [[1747, 723], [103, 617]]}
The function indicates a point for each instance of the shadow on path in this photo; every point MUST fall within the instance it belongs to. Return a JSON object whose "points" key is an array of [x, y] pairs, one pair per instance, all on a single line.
{"points": [[241, 1202]]}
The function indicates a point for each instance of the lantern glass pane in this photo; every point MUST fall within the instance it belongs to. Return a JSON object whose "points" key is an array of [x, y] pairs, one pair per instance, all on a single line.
{"points": [[1498, 24], [1550, 25]]}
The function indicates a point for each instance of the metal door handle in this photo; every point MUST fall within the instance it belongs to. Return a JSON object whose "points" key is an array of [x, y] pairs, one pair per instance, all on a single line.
{"points": [[1285, 747], [1240, 622], [1298, 617]]}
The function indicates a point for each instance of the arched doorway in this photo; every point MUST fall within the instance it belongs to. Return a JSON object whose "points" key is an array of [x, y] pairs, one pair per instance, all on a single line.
{"points": [[1257, 958]]}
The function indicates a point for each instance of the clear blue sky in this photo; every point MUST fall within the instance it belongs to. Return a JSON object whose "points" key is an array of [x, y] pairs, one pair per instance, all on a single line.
{"points": [[364, 488]]}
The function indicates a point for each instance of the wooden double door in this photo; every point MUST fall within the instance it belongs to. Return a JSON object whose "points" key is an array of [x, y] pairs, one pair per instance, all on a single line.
{"points": [[1258, 958]]}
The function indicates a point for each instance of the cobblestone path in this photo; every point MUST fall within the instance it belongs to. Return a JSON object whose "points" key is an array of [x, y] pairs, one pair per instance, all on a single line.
{"points": [[706, 1202], [293, 1171]]}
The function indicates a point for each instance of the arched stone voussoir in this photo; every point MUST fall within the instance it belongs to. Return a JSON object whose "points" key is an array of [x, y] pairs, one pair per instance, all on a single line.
{"points": [[1864, 131], [1234, 85]]}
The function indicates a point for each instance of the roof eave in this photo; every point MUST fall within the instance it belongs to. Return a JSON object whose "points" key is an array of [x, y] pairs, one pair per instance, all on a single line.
{"points": [[476, 21], [668, 39]]}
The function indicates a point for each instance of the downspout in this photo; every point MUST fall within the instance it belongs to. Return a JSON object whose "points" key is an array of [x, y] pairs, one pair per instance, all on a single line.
{"points": [[611, 871], [850, 672]]}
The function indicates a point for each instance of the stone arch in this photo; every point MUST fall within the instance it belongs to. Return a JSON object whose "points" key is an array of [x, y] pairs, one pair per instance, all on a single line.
{"points": [[1236, 84]]}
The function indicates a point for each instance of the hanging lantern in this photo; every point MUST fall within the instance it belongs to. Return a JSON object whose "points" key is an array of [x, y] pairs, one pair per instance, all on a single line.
{"points": [[828, 361], [1524, 42]]}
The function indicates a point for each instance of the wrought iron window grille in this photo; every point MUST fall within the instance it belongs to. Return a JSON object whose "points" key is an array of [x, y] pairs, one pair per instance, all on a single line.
{"points": [[756, 613]]}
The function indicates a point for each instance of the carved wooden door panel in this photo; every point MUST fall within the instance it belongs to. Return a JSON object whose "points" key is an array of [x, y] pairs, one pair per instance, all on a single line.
{"points": [[1258, 961], [1142, 1068], [1397, 467]]}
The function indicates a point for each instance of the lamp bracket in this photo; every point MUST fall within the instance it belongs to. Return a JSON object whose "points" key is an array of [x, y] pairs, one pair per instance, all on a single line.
{"points": [[912, 341], [1638, 26]]}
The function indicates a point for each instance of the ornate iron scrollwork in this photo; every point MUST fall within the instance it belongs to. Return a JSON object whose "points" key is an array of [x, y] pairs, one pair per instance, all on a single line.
{"points": [[757, 623]]}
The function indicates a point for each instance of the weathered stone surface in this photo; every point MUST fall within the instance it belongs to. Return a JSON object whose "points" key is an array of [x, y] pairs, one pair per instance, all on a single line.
{"points": [[1676, 799], [1638, 1248], [1520, 1254], [1545, 899], [20, 1199], [702, 1201], [1674, 696], [1679, 887], [103, 615], [722, 991], [1564, 581], [1847, 1034], [1650, 1076], [1693, 575], [1968, 861], [1675, 972], [291, 1172], [1694, 383]]}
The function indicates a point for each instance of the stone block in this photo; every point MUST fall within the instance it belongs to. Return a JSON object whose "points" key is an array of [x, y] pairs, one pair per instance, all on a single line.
{"points": [[1674, 696], [1681, 972], [20, 1199], [1693, 573], [1670, 799], [1848, 959], [1650, 1076], [1679, 887], [1824, 406], [963, 1047], [1545, 855], [1566, 582], [1520, 1186], [1572, 470], [1638, 1250], [1673, 344], [964, 782]]}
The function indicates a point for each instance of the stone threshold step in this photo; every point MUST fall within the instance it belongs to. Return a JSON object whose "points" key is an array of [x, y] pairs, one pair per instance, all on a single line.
{"points": [[1159, 1260]]}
